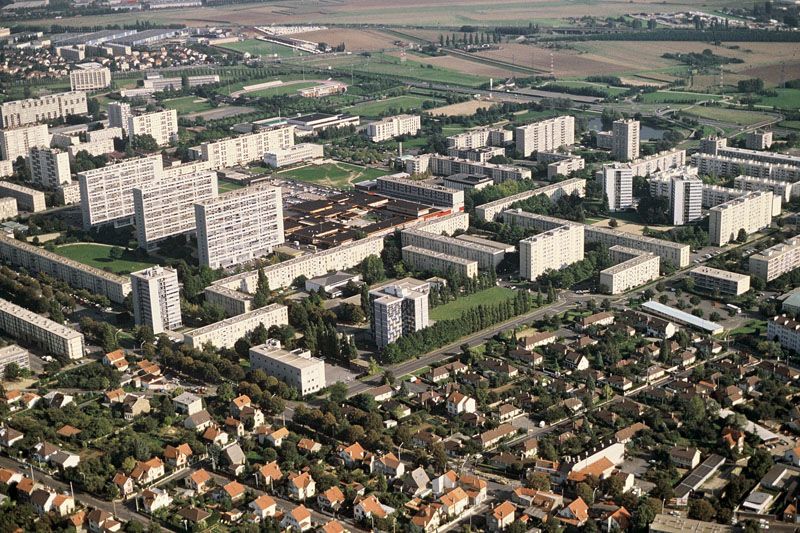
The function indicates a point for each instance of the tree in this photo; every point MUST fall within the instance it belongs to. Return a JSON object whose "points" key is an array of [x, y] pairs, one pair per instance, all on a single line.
{"points": [[742, 235], [261, 297], [12, 372], [701, 509], [585, 492], [540, 481], [439, 456], [372, 270], [144, 142], [646, 512]]}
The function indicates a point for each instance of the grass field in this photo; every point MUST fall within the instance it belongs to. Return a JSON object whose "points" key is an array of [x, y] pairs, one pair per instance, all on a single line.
{"points": [[188, 104], [731, 116], [288, 88], [381, 107], [454, 309], [98, 256], [385, 64], [340, 175], [676, 97], [610, 90], [790, 124], [227, 186], [786, 99], [255, 47]]}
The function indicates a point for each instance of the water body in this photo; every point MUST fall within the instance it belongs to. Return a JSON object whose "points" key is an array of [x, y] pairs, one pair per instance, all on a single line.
{"points": [[646, 133]]}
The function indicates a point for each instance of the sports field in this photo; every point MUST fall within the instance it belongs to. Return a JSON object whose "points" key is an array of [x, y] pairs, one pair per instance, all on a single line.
{"points": [[400, 104], [254, 47], [288, 88], [340, 175], [99, 256], [188, 104], [454, 309]]}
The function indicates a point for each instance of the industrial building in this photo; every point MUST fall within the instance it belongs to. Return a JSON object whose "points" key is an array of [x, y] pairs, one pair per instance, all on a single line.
{"points": [[398, 309], [157, 299], [225, 333], [48, 336], [395, 126], [751, 213], [545, 135], [776, 260], [43, 109], [296, 368], [722, 281]]}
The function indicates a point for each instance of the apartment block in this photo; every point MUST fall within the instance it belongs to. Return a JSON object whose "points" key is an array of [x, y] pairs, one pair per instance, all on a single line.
{"points": [[297, 368], [157, 299], [781, 189], [391, 127], [480, 137], [107, 192], [713, 279], [247, 148], [719, 146], [104, 134], [787, 332], [27, 199], [118, 115], [751, 213], [524, 219], [565, 167], [166, 208], [398, 309], [95, 148], [617, 185], [730, 167], [6, 167], [161, 125], [466, 182], [776, 260], [651, 164], [14, 354], [49, 167], [685, 193], [239, 226], [8, 208], [441, 165], [448, 224], [429, 261], [69, 193], [225, 333], [44, 109], [490, 210], [89, 77], [713, 195], [487, 256], [17, 142], [552, 249], [546, 135], [232, 301], [403, 187], [675, 253], [633, 268], [625, 139], [34, 259], [298, 153], [42, 333], [758, 140], [480, 155]]}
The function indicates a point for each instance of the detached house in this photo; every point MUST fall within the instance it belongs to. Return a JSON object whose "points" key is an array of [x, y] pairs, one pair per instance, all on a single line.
{"points": [[501, 516], [458, 403], [454, 502], [177, 456], [301, 486], [331, 500], [146, 472], [199, 481], [388, 465], [368, 507], [298, 519], [263, 507]]}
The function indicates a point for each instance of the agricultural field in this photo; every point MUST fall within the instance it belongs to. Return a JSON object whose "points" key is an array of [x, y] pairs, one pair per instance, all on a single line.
{"points": [[469, 107], [188, 104], [462, 65], [676, 97], [401, 104], [454, 309], [610, 90], [786, 99], [255, 47], [730, 116], [99, 256], [354, 40], [336, 174]]}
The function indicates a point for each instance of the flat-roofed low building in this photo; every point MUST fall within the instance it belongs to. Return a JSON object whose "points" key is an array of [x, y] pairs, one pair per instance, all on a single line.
{"points": [[16, 355], [682, 317], [291, 155], [296, 368], [395, 126], [225, 333], [633, 268], [488, 257], [403, 187], [46, 335], [724, 281], [317, 122], [749, 213], [429, 261], [27, 199], [776, 260], [665, 523]]}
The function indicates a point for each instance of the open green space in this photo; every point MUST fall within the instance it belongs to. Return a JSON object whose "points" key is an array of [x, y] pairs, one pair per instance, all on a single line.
{"points": [[676, 97], [785, 99], [790, 124], [254, 47], [731, 116], [99, 256], [385, 64], [454, 309], [341, 175], [610, 90], [227, 186], [379, 108], [282, 90], [756, 327], [188, 104]]}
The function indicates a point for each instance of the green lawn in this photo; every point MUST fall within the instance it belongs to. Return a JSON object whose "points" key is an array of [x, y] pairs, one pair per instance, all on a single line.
{"points": [[790, 124], [282, 90], [262, 48], [676, 97], [610, 90], [731, 116], [341, 175], [188, 104], [379, 108], [98, 255], [454, 309], [379, 64], [786, 99], [227, 186], [756, 327]]}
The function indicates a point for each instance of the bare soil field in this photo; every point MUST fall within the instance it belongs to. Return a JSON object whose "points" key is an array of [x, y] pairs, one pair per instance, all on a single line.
{"points": [[627, 227], [459, 64], [463, 108], [354, 40]]}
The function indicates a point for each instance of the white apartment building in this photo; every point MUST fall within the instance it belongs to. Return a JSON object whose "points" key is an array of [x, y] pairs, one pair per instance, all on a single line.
{"points": [[166, 208], [480, 137], [487, 256], [545, 135], [758, 140], [429, 261], [685, 193], [118, 115], [751, 213], [617, 185], [40, 332], [672, 252], [786, 331], [565, 167], [104, 134], [552, 249], [247, 148], [480, 155], [776, 260], [403, 187], [448, 224], [8, 208], [441, 165], [554, 191], [77, 275], [18, 141], [715, 195], [6, 167], [465, 182], [726, 282], [781, 189], [69, 193], [625, 139], [391, 127], [14, 354], [296, 368], [633, 268], [298, 153], [44, 109], [398, 309], [27, 199], [157, 299], [651, 164], [107, 192], [719, 146], [49, 167], [95, 148], [89, 77], [225, 333], [239, 226], [729, 167], [161, 125]]}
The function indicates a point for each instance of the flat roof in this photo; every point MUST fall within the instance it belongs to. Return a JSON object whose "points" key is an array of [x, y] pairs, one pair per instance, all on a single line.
{"points": [[719, 274], [664, 523], [271, 308], [293, 358], [630, 263], [487, 242], [683, 317]]}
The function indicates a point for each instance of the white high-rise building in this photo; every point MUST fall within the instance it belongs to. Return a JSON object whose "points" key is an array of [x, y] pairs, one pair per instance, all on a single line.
{"points": [[157, 299], [161, 125], [118, 115], [18, 142], [49, 167], [165, 208], [545, 135], [751, 212], [246, 148], [617, 185], [625, 140], [44, 109], [685, 193], [239, 226], [391, 127], [89, 76], [398, 309]]}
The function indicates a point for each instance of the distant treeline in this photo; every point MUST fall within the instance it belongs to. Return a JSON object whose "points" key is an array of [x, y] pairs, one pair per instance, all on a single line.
{"points": [[711, 35]]}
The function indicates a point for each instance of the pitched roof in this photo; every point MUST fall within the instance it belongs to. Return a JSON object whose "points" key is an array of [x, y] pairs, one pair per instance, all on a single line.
{"points": [[502, 511], [172, 452], [371, 505], [234, 489], [302, 480], [264, 501], [199, 477], [334, 494], [300, 513], [271, 471], [453, 497]]}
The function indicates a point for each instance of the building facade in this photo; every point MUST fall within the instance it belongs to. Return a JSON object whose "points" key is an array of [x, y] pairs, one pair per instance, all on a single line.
{"points": [[713, 279], [685, 194], [617, 185], [49, 167], [27, 199], [782, 189], [675, 253], [545, 135], [16, 355], [391, 127], [565, 167], [296, 368], [419, 191], [552, 249], [625, 139], [46, 335], [480, 137], [8, 208], [161, 125], [225, 333], [118, 115], [246, 148], [776, 260], [751, 213], [490, 210], [17, 142], [786, 331], [634, 268], [488, 257], [429, 261], [44, 109], [157, 299], [89, 77], [441, 165], [398, 309], [298, 153]]}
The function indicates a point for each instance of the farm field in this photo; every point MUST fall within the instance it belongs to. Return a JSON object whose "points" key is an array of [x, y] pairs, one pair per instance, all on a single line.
{"points": [[336, 174], [401, 104], [354, 40], [255, 47], [99, 256], [731, 116], [462, 65], [188, 104], [609, 89], [462, 108], [454, 309], [676, 97], [786, 99]]}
